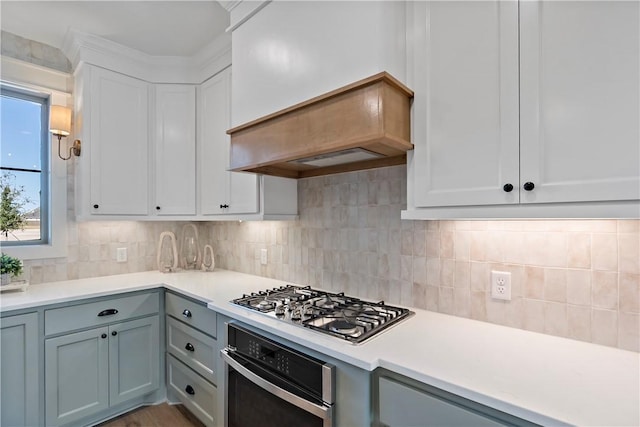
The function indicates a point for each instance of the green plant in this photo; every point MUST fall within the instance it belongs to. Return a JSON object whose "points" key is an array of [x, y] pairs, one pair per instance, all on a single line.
{"points": [[12, 201], [10, 265]]}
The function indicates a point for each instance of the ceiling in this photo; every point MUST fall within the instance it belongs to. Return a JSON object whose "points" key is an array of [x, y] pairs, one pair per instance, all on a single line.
{"points": [[164, 28]]}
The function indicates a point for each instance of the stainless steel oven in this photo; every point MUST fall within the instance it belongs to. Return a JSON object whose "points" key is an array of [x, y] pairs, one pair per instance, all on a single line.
{"points": [[269, 384]]}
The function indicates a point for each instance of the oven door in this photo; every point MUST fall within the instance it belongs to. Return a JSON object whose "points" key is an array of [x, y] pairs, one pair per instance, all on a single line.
{"points": [[256, 397]]}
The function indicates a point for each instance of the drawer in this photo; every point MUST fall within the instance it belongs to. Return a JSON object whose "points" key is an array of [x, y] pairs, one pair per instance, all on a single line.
{"points": [[191, 313], [87, 315], [192, 347], [192, 390]]}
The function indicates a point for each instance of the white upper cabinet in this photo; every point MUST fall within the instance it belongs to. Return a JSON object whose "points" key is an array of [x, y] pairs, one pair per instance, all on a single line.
{"points": [[113, 126], [221, 192], [175, 150], [291, 51], [548, 127], [466, 103], [580, 100]]}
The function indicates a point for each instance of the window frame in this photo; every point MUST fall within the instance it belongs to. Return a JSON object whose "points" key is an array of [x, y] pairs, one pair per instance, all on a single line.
{"points": [[57, 244], [45, 154]]}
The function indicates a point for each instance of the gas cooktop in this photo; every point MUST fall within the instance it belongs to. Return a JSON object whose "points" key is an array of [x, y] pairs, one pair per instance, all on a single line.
{"points": [[349, 318]]}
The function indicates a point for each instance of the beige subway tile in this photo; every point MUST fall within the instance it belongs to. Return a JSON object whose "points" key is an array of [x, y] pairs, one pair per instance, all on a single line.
{"points": [[604, 289], [629, 288], [447, 225], [536, 249], [432, 298], [629, 331], [579, 250], [433, 271], [432, 249], [579, 322], [604, 327], [406, 246], [462, 302], [579, 287], [513, 313], [604, 251], [462, 245], [629, 253], [419, 243], [479, 276], [477, 249], [461, 275], [555, 319], [447, 269], [534, 282], [420, 270], [628, 226], [445, 300], [515, 251], [478, 305], [446, 244], [495, 310], [432, 225], [555, 285], [494, 245]]}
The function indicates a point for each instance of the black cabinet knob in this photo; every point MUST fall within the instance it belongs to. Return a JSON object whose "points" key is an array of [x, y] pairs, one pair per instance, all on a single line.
{"points": [[189, 390], [189, 347], [186, 313], [528, 186], [114, 333], [103, 336], [157, 208], [508, 188], [95, 206]]}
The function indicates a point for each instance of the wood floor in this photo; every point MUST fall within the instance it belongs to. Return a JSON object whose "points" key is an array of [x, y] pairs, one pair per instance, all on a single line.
{"points": [[163, 415]]}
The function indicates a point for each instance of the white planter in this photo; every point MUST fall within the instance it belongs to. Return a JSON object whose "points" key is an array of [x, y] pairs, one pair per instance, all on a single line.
{"points": [[5, 279]]}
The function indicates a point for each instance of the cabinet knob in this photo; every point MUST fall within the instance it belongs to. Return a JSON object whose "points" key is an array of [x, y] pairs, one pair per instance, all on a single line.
{"points": [[189, 390], [528, 186], [103, 336], [96, 206], [189, 347], [157, 208], [508, 188], [114, 333], [186, 313]]}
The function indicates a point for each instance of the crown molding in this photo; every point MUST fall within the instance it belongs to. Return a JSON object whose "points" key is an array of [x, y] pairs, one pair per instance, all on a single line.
{"points": [[84, 47]]}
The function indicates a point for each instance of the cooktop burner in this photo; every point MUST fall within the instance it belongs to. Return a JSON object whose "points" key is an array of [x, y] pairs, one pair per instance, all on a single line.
{"points": [[336, 314]]}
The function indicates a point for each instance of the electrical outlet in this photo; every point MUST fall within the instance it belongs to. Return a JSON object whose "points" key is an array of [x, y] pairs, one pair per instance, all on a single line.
{"points": [[263, 256], [121, 255], [501, 285]]}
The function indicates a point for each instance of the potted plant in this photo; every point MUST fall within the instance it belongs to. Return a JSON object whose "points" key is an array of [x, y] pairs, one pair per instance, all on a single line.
{"points": [[9, 267]]}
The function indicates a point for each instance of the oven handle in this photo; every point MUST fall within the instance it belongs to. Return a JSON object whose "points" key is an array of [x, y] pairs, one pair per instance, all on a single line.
{"points": [[323, 412]]}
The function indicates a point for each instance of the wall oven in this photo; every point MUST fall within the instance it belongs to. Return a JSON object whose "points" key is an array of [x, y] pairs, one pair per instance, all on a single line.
{"points": [[269, 384]]}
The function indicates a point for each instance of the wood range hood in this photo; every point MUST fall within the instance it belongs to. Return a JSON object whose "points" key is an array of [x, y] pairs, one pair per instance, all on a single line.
{"points": [[360, 126]]}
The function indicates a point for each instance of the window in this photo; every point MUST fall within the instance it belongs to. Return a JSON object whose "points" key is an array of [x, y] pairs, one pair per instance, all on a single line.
{"points": [[24, 164]]}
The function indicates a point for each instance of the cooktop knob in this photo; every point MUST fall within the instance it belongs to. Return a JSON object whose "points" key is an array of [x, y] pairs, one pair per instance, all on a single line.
{"points": [[280, 310]]}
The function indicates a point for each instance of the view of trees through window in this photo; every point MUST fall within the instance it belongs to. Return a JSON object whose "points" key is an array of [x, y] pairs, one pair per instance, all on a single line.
{"points": [[23, 203]]}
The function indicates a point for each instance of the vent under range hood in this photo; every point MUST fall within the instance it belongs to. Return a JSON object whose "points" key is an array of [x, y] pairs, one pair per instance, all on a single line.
{"points": [[360, 126]]}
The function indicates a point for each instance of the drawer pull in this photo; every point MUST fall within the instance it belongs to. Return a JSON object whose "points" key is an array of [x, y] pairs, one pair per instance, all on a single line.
{"points": [[108, 312], [186, 313], [190, 390], [189, 347]]}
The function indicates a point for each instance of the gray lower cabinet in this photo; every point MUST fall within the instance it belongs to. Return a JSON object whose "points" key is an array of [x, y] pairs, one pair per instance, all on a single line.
{"points": [[19, 370], [404, 402], [192, 372], [93, 371]]}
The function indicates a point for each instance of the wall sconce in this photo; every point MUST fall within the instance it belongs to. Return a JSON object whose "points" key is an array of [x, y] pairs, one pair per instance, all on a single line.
{"points": [[60, 125]]}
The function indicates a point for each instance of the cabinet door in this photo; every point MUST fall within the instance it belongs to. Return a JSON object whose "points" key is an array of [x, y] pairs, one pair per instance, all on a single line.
{"points": [[19, 370], [76, 376], [580, 100], [119, 144], [134, 359], [217, 186], [465, 123], [175, 150], [401, 406]]}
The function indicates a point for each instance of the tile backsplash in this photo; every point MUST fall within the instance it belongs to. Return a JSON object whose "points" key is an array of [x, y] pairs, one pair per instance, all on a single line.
{"points": [[572, 278]]}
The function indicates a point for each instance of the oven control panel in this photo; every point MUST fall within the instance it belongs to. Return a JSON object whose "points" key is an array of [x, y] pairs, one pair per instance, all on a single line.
{"points": [[268, 355]]}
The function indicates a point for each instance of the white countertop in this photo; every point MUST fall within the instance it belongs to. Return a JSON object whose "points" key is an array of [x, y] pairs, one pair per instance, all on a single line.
{"points": [[544, 379]]}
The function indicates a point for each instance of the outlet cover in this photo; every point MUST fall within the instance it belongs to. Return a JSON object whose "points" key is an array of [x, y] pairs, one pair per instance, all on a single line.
{"points": [[121, 255], [263, 256], [501, 285]]}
